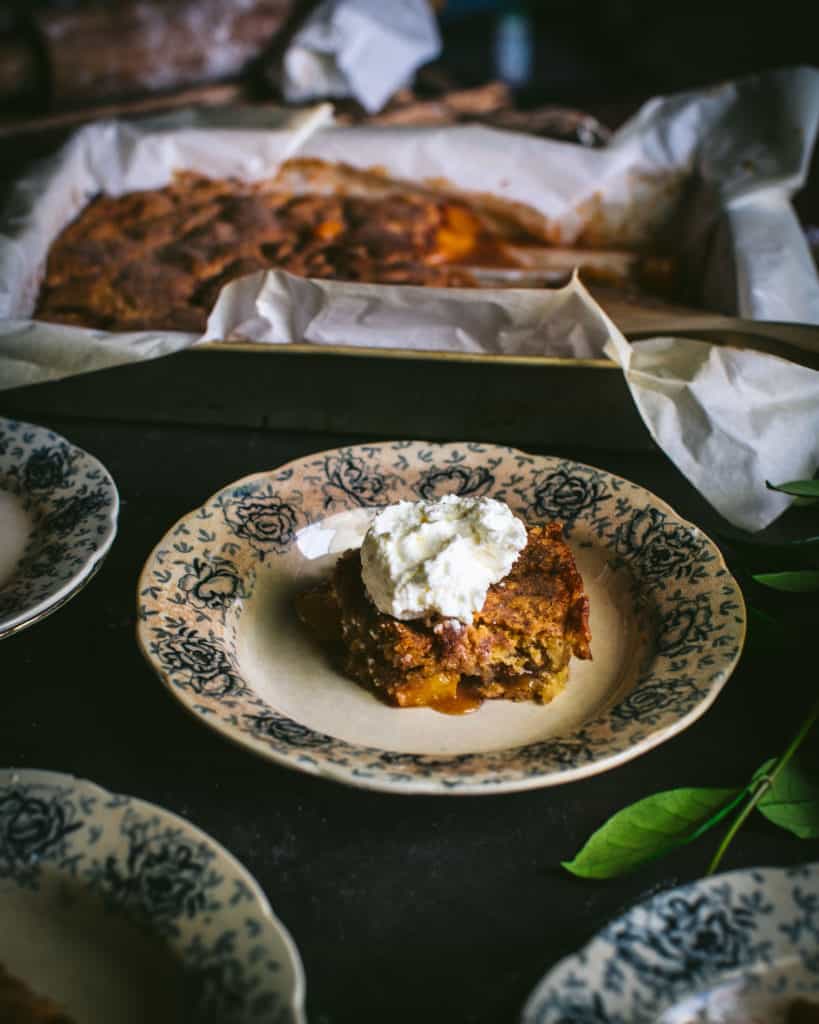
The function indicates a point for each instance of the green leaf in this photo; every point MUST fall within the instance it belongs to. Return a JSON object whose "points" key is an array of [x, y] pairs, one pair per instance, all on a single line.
{"points": [[649, 828], [800, 488], [799, 582], [792, 800]]}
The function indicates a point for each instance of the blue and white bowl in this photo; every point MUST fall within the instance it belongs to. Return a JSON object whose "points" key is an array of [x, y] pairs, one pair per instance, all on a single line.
{"points": [[737, 947], [58, 519], [122, 912]]}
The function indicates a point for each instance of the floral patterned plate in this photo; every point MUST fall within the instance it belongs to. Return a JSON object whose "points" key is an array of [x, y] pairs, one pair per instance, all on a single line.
{"points": [[58, 518], [737, 948], [126, 913], [216, 622]]}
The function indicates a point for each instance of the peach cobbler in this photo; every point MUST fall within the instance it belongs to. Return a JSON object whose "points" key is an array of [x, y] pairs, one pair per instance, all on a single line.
{"points": [[529, 612], [158, 258]]}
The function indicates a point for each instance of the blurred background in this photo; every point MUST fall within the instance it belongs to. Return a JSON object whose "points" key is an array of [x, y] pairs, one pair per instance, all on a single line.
{"points": [[549, 51], [622, 50], [555, 68]]}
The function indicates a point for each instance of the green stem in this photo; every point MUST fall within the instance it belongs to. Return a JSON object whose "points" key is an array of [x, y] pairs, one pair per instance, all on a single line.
{"points": [[763, 785], [721, 813]]}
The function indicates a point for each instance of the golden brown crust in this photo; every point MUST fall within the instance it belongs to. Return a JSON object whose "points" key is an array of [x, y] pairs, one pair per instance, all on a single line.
{"points": [[157, 259], [517, 647]]}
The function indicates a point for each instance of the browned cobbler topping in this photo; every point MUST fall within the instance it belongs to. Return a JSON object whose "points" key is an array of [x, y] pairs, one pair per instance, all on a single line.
{"points": [[157, 259], [19, 1005], [517, 647]]}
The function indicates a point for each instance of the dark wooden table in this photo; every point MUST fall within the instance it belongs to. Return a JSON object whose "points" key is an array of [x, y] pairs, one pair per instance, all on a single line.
{"points": [[434, 909]]}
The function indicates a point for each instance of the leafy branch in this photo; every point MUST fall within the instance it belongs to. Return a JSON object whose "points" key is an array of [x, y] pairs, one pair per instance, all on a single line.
{"points": [[783, 789], [762, 786]]}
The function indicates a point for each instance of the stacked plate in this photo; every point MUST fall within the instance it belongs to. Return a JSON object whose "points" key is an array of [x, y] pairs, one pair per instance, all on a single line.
{"points": [[58, 519]]}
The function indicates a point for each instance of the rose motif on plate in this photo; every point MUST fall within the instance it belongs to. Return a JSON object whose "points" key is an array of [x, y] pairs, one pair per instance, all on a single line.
{"points": [[263, 519], [660, 549], [695, 938], [285, 730], [68, 518], [196, 663], [457, 479], [351, 475], [567, 494], [651, 697], [30, 828], [164, 875], [686, 627], [46, 469], [213, 584]]}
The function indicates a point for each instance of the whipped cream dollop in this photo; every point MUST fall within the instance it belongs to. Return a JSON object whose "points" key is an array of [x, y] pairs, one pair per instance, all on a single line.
{"points": [[424, 557]]}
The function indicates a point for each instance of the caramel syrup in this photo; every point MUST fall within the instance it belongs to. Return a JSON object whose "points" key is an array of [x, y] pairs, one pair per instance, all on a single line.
{"points": [[461, 704]]}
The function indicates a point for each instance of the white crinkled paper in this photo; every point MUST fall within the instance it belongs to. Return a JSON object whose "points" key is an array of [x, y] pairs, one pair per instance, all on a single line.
{"points": [[279, 308], [363, 48], [729, 419]]}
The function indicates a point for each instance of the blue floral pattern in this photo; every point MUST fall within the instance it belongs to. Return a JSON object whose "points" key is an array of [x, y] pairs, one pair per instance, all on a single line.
{"points": [[566, 493], [736, 935], [196, 662], [261, 517], [211, 584], [687, 626], [239, 965], [198, 580], [165, 877], [32, 827], [696, 937], [349, 476], [48, 468], [660, 548], [468, 481], [72, 504]]}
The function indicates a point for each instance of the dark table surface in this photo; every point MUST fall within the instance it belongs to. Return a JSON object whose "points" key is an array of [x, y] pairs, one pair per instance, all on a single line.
{"points": [[403, 908]]}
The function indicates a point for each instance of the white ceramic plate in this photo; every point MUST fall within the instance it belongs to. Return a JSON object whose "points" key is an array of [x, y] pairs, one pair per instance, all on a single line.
{"points": [[737, 948], [58, 518], [216, 621], [125, 913]]}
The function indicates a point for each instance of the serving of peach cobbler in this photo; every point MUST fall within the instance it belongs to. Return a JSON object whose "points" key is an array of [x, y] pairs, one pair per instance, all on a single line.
{"points": [[516, 642], [158, 258]]}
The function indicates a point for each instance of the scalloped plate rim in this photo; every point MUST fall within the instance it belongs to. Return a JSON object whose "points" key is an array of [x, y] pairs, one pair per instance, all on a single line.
{"points": [[433, 786], [54, 779], [582, 960], [11, 624]]}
